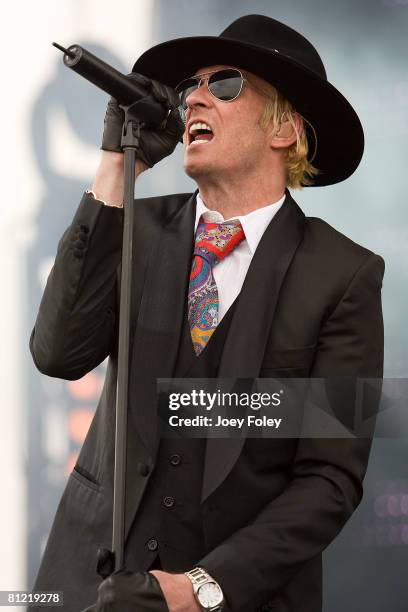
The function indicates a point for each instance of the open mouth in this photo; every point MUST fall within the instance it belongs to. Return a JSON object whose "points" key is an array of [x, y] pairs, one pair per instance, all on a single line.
{"points": [[199, 133]]}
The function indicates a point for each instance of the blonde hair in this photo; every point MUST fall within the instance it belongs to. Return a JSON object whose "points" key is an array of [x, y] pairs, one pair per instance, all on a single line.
{"points": [[299, 170]]}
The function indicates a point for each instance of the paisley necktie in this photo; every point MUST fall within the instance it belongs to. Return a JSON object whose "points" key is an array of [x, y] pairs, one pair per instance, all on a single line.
{"points": [[213, 242]]}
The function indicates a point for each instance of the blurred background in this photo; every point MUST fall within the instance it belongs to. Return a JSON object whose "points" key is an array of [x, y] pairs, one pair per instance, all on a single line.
{"points": [[51, 129]]}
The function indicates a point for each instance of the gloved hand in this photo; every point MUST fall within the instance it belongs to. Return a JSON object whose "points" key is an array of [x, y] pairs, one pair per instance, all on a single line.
{"points": [[154, 143], [126, 591]]}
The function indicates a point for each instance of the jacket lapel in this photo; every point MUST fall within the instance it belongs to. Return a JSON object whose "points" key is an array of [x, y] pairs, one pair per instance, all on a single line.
{"points": [[250, 327]]}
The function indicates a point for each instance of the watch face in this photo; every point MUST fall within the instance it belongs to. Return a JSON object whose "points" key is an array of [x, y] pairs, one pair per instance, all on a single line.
{"points": [[209, 595]]}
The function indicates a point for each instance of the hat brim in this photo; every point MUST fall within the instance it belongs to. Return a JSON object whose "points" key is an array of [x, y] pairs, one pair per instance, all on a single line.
{"points": [[340, 137]]}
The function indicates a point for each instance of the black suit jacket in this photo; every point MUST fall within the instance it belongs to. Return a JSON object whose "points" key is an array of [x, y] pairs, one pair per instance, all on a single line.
{"points": [[310, 306]]}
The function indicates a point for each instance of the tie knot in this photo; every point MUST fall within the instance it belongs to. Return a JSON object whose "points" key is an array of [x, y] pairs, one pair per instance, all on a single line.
{"points": [[214, 241]]}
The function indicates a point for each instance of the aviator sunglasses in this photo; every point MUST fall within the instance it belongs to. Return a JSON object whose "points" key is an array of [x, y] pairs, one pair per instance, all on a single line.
{"points": [[225, 85]]}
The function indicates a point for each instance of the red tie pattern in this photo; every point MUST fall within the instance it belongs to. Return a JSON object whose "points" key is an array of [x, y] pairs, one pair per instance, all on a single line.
{"points": [[213, 242]]}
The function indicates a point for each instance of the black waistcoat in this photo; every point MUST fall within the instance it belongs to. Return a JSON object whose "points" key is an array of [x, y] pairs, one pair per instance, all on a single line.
{"points": [[169, 522]]}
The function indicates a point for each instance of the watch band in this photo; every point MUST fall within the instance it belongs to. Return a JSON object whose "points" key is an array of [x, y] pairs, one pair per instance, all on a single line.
{"points": [[199, 576]]}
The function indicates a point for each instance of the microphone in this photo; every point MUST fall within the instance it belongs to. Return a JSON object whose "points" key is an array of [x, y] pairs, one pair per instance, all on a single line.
{"points": [[114, 83]]}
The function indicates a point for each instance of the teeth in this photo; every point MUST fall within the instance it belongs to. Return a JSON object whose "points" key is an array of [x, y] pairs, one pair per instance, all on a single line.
{"points": [[194, 127]]}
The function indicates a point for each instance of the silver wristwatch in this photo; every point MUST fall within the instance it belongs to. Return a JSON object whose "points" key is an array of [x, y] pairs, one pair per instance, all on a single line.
{"points": [[207, 591]]}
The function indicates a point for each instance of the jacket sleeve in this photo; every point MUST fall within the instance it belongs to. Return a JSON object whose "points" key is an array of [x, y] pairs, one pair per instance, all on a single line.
{"points": [[75, 326], [256, 562]]}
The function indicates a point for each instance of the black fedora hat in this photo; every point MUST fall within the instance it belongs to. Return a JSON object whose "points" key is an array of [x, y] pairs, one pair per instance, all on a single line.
{"points": [[287, 60]]}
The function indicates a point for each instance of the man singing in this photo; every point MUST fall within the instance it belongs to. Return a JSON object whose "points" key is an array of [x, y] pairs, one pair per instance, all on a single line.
{"points": [[231, 281]]}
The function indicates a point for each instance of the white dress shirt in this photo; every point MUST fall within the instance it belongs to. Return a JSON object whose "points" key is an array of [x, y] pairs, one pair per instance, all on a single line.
{"points": [[229, 274]]}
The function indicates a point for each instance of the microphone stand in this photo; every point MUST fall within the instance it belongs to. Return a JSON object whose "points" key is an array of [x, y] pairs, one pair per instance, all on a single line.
{"points": [[130, 138], [109, 561]]}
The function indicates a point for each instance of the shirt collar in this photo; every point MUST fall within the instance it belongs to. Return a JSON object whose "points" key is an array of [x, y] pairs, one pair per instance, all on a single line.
{"points": [[254, 223]]}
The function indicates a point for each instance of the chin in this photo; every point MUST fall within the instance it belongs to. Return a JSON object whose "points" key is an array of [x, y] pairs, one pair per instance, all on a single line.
{"points": [[201, 164], [195, 169]]}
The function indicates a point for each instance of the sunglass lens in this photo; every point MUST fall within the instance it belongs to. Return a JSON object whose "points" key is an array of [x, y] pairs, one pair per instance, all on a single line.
{"points": [[225, 84], [184, 89]]}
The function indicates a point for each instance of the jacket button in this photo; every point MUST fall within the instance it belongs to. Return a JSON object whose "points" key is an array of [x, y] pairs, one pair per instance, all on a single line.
{"points": [[152, 544], [175, 459], [143, 469], [168, 501]]}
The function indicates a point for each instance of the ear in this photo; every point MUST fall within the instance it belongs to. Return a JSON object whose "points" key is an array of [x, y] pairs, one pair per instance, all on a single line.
{"points": [[286, 135]]}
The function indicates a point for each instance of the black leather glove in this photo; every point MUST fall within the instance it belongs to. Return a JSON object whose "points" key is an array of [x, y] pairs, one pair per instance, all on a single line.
{"points": [[126, 591], [154, 143]]}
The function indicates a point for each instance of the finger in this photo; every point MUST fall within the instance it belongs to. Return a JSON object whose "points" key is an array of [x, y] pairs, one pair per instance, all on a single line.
{"points": [[173, 97], [160, 94], [114, 112], [175, 125], [165, 94]]}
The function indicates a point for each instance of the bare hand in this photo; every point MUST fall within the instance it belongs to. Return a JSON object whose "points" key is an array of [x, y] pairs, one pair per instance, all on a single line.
{"points": [[178, 591]]}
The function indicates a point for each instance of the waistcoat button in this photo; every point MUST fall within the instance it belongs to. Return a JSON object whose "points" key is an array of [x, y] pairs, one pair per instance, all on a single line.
{"points": [[175, 459], [152, 544], [168, 501]]}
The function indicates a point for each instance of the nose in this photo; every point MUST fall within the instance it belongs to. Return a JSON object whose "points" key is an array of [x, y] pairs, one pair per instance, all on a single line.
{"points": [[198, 97]]}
